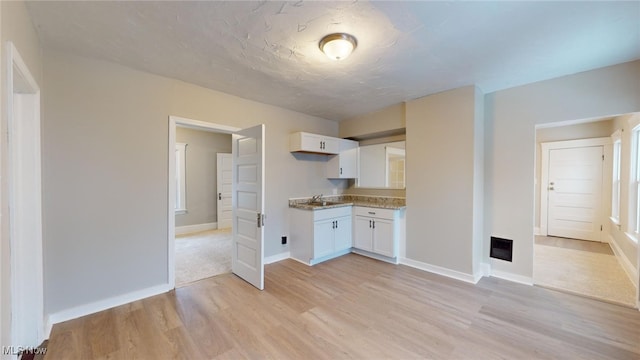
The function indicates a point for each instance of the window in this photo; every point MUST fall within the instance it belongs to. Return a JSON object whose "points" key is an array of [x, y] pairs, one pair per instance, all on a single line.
{"points": [[634, 190], [181, 177], [615, 189]]}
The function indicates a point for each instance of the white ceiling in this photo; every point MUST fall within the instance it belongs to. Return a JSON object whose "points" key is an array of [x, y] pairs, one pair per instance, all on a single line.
{"points": [[267, 51]]}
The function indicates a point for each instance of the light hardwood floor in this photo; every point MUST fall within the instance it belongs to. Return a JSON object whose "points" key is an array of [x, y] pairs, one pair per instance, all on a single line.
{"points": [[353, 307]]}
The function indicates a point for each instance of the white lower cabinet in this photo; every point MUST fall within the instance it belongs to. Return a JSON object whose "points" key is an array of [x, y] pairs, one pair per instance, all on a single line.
{"points": [[319, 235], [377, 230]]}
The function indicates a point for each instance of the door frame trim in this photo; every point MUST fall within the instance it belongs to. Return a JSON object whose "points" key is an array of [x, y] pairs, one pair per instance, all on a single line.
{"points": [[24, 280], [175, 121], [218, 181], [544, 176]]}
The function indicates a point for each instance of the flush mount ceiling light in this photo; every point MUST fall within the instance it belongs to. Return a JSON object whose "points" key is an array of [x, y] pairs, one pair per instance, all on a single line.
{"points": [[338, 46]]}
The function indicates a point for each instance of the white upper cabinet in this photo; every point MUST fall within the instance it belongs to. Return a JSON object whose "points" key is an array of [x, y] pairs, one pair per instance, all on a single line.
{"points": [[345, 164], [313, 143]]}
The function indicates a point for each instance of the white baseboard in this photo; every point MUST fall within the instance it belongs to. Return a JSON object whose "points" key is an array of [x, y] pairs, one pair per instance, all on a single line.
{"points": [[439, 270], [537, 231], [375, 256], [277, 257], [485, 270], [624, 261], [525, 280], [100, 305], [187, 229]]}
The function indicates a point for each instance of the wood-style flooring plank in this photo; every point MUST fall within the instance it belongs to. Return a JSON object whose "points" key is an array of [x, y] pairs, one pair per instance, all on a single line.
{"points": [[353, 307]]}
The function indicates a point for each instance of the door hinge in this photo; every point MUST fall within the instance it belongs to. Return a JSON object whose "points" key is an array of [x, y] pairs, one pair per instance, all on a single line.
{"points": [[600, 227], [260, 220], [602, 157]]}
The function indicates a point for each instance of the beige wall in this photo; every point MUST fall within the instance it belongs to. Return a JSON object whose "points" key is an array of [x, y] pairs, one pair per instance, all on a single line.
{"points": [[617, 233], [444, 174], [596, 129], [105, 163], [15, 26], [511, 116], [201, 168], [386, 121]]}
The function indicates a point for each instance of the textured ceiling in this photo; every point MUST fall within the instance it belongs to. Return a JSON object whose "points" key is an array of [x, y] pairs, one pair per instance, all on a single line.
{"points": [[267, 51]]}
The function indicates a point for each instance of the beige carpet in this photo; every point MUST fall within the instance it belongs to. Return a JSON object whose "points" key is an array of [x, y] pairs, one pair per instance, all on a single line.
{"points": [[588, 273], [202, 255]]}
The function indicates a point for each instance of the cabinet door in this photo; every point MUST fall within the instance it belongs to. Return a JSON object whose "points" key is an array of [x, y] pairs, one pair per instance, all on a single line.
{"points": [[330, 145], [323, 238], [349, 163], [342, 234], [363, 235], [383, 240], [311, 142], [344, 165]]}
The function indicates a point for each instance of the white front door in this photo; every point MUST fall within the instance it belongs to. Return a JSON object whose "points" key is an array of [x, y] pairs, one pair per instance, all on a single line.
{"points": [[224, 188], [248, 205], [575, 193]]}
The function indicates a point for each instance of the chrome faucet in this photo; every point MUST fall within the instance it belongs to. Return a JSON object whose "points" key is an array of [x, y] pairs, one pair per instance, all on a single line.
{"points": [[316, 198]]}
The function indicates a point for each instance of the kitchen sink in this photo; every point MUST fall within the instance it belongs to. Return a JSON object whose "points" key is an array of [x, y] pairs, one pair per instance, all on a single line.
{"points": [[325, 203]]}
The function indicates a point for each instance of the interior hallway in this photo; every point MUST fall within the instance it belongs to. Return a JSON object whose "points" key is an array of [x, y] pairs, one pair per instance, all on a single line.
{"points": [[583, 267], [201, 255]]}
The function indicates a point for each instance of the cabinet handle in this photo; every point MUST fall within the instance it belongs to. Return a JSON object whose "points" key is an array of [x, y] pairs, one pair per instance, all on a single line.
{"points": [[340, 171], [219, 196], [371, 212], [336, 224], [374, 224], [369, 223]]}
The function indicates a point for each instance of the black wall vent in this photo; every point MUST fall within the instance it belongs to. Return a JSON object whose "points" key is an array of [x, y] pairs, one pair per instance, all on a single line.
{"points": [[501, 249]]}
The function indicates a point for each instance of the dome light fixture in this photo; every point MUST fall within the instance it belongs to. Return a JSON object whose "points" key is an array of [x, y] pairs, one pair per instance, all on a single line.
{"points": [[338, 46]]}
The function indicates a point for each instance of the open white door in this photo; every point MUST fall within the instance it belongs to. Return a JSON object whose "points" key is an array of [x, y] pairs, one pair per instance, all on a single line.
{"points": [[248, 205], [224, 188]]}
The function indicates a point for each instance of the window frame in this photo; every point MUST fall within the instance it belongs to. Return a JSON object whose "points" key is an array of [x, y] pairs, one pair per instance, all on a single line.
{"points": [[633, 228], [616, 183]]}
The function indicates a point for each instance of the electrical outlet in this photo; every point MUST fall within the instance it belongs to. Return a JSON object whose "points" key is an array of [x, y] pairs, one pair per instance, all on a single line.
{"points": [[284, 240]]}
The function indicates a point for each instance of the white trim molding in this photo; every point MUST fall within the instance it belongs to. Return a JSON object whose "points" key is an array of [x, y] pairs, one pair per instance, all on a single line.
{"points": [[24, 198], [97, 306], [277, 257], [469, 278], [187, 229], [525, 280]]}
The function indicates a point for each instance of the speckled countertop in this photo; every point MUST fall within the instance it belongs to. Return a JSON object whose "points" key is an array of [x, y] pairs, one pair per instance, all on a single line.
{"points": [[334, 201]]}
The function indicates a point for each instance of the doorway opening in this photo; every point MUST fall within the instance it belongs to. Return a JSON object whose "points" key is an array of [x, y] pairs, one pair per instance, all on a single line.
{"points": [[247, 197], [572, 252], [203, 204]]}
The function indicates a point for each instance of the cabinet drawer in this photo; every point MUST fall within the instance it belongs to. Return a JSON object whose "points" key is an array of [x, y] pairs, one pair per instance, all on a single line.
{"points": [[331, 213], [375, 212]]}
